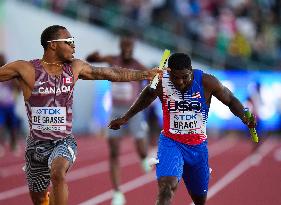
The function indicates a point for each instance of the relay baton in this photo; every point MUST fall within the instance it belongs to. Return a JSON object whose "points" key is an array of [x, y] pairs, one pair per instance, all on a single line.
{"points": [[253, 131], [162, 64]]}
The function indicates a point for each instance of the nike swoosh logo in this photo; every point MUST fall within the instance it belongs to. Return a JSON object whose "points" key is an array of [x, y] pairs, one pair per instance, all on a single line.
{"points": [[41, 83]]}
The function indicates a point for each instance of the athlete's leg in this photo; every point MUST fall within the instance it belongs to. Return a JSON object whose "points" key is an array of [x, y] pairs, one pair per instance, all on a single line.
{"points": [[114, 140], [51, 197], [37, 171], [139, 129], [13, 124], [198, 199], [196, 173], [59, 168], [169, 169], [141, 146], [114, 149], [2, 129], [39, 198], [62, 157], [118, 197], [166, 189]]}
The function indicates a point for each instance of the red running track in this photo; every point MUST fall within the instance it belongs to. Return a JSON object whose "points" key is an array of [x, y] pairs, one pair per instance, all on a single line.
{"points": [[239, 176]]}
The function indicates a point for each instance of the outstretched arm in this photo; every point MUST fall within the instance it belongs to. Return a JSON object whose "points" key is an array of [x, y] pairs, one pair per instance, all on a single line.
{"points": [[223, 94], [114, 74], [10, 71], [146, 97]]}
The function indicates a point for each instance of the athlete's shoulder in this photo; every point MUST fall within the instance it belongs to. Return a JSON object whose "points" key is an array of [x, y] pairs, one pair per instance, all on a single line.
{"points": [[208, 77], [210, 82], [77, 64], [20, 65]]}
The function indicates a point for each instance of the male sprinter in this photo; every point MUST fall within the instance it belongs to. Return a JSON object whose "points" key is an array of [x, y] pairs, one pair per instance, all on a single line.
{"points": [[123, 95], [48, 86], [185, 94]]}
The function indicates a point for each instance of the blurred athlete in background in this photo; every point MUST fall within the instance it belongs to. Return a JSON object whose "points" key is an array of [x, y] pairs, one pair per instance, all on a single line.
{"points": [[9, 121], [123, 95]]}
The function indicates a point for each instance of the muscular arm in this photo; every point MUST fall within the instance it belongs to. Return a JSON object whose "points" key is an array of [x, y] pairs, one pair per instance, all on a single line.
{"points": [[114, 74], [214, 87], [146, 97], [9, 71], [23, 71]]}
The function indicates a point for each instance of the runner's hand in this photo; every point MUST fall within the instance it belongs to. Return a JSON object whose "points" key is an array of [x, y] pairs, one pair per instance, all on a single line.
{"points": [[153, 72], [117, 123], [250, 122]]}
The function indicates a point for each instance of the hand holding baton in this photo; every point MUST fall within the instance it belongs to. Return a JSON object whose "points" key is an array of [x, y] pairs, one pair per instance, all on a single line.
{"points": [[162, 64], [253, 131]]}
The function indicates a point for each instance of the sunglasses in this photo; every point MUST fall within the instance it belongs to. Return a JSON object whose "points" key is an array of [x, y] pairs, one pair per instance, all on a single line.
{"points": [[68, 41]]}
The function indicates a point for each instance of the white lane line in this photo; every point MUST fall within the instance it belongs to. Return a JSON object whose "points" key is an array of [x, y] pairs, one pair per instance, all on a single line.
{"points": [[131, 185], [13, 192], [215, 149], [102, 166], [277, 155], [16, 169], [11, 170], [239, 169], [76, 174], [220, 147]]}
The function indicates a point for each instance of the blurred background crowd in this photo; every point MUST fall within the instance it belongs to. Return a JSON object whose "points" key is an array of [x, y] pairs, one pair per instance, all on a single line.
{"points": [[239, 41], [221, 33]]}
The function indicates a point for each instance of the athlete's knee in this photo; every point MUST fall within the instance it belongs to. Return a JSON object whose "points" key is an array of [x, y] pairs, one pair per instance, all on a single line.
{"points": [[58, 171], [114, 153], [40, 198], [57, 176], [141, 147], [167, 187], [114, 150]]}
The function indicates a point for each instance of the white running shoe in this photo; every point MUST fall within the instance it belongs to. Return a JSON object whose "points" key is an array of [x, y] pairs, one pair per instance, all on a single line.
{"points": [[118, 198], [146, 165]]}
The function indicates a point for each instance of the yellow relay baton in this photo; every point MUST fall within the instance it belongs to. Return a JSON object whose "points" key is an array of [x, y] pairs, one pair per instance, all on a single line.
{"points": [[162, 64], [253, 131]]}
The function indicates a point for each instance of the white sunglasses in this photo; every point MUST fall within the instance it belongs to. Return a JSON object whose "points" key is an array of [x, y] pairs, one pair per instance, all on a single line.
{"points": [[69, 41]]}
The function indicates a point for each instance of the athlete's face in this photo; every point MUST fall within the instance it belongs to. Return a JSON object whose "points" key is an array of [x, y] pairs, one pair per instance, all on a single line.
{"points": [[127, 47], [182, 79], [65, 49]]}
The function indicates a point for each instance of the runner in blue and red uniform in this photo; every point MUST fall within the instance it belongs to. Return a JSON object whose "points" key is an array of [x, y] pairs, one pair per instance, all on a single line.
{"points": [[48, 86], [185, 94]]}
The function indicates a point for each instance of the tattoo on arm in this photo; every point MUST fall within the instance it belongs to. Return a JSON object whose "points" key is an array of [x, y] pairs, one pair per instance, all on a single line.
{"points": [[118, 74]]}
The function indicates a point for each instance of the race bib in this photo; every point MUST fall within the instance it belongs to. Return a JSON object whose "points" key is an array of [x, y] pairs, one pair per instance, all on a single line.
{"points": [[186, 123], [48, 118]]}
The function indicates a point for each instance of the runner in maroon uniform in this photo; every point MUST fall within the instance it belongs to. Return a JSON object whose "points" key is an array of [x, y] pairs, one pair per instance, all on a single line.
{"points": [[48, 85]]}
